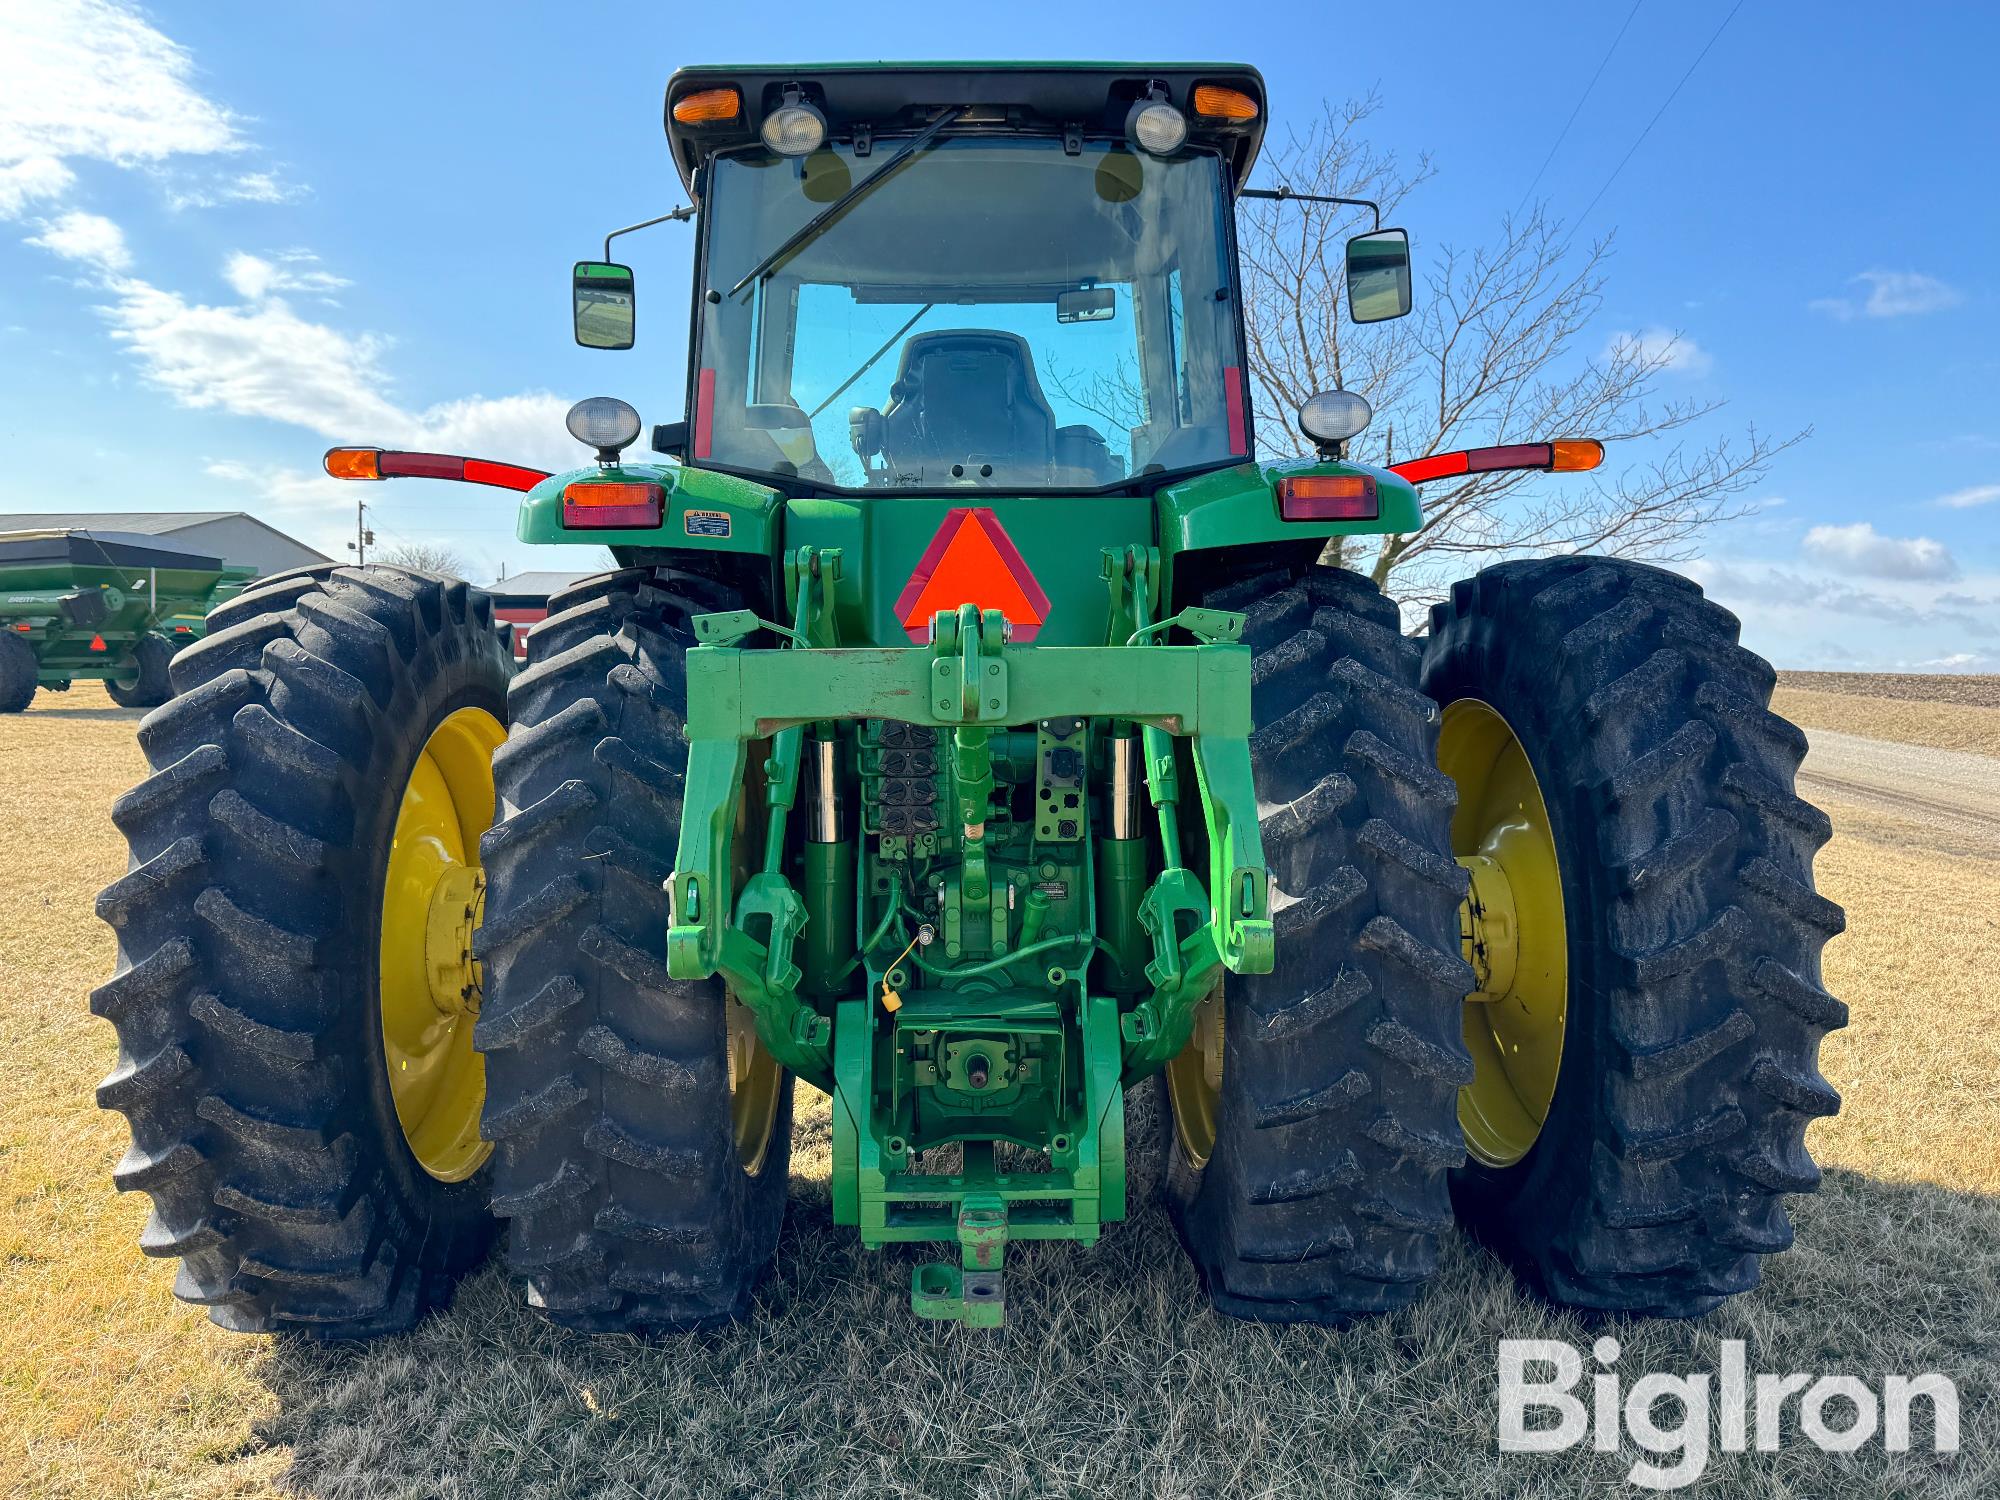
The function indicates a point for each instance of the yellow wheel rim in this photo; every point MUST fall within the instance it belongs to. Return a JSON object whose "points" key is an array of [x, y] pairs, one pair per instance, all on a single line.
{"points": [[1194, 1082], [754, 1076], [433, 895], [1513, 930]]}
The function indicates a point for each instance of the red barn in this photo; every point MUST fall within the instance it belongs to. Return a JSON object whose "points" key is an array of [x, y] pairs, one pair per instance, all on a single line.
{"points": [[524, 599]]}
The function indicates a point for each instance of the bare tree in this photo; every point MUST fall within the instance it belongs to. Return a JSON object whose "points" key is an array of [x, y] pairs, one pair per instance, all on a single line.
{"points": [[1489, 355], [423, 557]]}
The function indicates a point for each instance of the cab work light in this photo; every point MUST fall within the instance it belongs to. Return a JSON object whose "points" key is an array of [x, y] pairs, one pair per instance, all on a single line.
{"points": [[1328, 497], [1563, 456], [708, 107], [612, 503]]}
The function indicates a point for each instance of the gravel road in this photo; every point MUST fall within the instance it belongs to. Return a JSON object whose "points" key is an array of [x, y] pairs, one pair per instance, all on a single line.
{"points": [[1954, 790]]}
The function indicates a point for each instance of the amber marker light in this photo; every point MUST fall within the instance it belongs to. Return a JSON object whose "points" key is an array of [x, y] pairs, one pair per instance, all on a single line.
{"points": [[1214, 102], [1574, 455], [354, 463], [708, 107]]}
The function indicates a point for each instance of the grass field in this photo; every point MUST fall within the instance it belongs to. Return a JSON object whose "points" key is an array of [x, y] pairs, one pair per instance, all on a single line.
{"points": [[1114, 1376]]}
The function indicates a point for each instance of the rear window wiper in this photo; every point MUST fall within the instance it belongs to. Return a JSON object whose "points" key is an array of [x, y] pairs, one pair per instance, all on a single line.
{"points": [[818, 222]]}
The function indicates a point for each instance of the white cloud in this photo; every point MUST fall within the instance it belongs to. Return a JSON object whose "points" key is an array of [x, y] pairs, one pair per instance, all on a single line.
{"points": [[30, 179], [1862, 550], [258, 360], [1802, 615], [1962, 661], [293, 271], [1966, 499], [1892, 294], [88, 78], [285, 489], [1662, 348], [245, 187], [90, 238]]}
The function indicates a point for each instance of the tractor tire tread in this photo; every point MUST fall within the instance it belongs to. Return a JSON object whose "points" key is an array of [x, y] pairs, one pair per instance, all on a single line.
{"points": [[1326, 1192], [237, 1000]]}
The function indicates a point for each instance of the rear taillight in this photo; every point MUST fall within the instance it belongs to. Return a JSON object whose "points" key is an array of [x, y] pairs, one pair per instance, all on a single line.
{"points": [[612, 502], [1328, 497]]}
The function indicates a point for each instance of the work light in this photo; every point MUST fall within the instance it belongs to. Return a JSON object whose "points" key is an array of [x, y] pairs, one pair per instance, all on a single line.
{"points": [[1334, 416], [604, 423], [1154, 125], [794, 128]]}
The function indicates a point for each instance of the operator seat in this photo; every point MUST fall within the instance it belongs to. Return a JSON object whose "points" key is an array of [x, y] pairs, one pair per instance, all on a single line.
{"points": [[968, 395]]}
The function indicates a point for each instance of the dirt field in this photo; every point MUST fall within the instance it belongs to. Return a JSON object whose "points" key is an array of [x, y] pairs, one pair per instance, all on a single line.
{"points": [[1114, 1377], [1941, 712], [1964, 688]]}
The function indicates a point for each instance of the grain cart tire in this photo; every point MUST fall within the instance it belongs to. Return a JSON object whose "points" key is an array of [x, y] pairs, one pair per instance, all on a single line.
{"points": [[1661, 1029], [1327, 1143], [313, 811], [644, 1139], [19, 673], [149, 687]]}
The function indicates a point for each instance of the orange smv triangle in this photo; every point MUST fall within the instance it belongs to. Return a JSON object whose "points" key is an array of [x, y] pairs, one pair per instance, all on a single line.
{"points": [[972, 560]]}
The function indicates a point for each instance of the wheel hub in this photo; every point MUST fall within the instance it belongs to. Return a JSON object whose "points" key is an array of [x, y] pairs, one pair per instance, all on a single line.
{"points": [[457, 904], [1487, 927]]}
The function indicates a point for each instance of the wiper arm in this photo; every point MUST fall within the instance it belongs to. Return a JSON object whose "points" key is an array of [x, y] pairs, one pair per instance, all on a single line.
{"points": [[818, 222], [869, 363]]}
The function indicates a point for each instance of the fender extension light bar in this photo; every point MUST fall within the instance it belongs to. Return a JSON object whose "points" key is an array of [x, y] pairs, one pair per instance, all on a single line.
{"points": [[380, 463], [1563, 456]]}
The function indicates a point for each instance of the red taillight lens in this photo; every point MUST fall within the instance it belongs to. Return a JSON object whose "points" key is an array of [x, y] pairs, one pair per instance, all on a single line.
{"points": [[1328, 497], [612, 502]]}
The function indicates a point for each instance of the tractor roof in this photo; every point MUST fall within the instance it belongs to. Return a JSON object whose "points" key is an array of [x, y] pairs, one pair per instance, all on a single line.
{"points": [[1028, 97]]}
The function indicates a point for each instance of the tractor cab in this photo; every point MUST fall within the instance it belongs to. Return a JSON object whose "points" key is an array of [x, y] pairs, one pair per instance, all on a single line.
{"points": [[926, 279]]}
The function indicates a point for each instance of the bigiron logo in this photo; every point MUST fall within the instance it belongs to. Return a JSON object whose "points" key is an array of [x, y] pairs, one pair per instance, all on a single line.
{"points": [[1727, 1410]]}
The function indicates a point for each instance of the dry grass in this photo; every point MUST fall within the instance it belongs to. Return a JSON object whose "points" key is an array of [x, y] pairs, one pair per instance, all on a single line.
{"points": [[1913, 721], [1114, 1377]]}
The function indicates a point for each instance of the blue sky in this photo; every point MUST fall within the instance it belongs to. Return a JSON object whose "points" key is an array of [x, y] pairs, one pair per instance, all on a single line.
{"points": [[230, 236]]}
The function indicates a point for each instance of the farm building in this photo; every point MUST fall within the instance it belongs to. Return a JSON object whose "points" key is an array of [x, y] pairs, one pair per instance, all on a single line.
{"points": [[524, 599], [235, 536]]}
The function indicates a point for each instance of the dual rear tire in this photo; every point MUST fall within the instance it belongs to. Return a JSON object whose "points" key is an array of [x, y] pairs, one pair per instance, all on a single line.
{"points": [[1636, 1095]]}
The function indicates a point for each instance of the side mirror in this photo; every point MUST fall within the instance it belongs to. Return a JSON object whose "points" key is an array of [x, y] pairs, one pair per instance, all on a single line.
{"points": [[1378, 276], [1093, 304], [602, 304]]}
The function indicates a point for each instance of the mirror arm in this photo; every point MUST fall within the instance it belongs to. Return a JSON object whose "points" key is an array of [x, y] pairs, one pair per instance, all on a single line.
{"points": [[678, 216], [1281, 192]]}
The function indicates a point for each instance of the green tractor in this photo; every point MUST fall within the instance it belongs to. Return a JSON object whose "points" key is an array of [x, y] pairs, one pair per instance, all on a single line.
{"points": [[972, 731], [109, 606]]}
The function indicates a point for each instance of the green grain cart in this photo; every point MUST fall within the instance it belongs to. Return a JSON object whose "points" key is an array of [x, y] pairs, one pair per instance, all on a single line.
{"points": [[972, 732], [82, 605]]}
